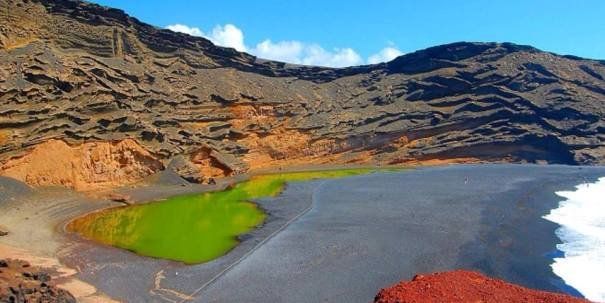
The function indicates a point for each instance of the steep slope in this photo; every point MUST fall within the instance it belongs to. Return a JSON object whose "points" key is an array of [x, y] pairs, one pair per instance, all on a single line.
{"points": [[82, 73]]}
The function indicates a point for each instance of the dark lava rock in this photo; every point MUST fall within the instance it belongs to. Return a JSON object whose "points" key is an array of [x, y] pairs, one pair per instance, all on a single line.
{"points": [[183, 167], [20, 282], [116, 197], [77, 71]]}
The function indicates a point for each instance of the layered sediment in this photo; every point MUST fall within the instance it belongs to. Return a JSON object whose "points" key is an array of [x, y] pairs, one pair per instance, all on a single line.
{"points": [[81, 73], [465, 286], [87, 166]]}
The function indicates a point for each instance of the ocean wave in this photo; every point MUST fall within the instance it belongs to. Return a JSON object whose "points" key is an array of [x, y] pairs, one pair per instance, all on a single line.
{"points": [[582, 219]]}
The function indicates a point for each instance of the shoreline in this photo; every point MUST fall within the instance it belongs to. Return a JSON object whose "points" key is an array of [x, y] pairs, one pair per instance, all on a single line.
{"points": [[165, 280], [33, 220], [536, 199], [457, 227], [140, 192], [57, 241], [166, 273], [578, 216], [165, 184]]}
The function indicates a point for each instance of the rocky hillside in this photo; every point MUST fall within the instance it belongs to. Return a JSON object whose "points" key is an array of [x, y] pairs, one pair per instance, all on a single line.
{"points": [[105, 99]]}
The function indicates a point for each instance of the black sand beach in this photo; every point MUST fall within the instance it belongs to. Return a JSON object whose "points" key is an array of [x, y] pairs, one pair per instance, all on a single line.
{"points": [[344, 239], [367, 232]]}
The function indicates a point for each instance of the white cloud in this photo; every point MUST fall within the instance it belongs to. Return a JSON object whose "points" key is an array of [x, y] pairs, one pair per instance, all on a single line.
{"points": [[339, 57], [309, 54], [181, 28], [386, 54], [229, 36], [295, 52], [285, 51]]}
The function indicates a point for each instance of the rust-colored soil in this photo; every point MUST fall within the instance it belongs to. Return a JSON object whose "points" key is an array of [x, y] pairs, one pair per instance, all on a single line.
{"points": [[465, 286]]}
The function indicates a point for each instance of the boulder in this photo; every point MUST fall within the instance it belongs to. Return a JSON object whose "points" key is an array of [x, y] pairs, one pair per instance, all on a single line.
{"points": [[116, 197], [186, 169]]}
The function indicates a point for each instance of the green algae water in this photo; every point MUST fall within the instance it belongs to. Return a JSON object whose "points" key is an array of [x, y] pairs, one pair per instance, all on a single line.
{"points": [[192, 228]]}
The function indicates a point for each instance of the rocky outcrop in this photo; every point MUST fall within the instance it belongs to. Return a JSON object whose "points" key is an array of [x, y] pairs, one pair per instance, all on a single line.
{"points": [[184, 168], [79, 73], [465, 286], [20, 282], [91, 165], [121, 198]]}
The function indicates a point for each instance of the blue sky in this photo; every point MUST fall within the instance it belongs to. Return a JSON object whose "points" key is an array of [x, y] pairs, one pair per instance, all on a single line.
{"points": [[340, 33]]}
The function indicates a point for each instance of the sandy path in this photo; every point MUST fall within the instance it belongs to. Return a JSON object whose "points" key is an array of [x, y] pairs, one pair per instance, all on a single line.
{"points": [[32, 219]]}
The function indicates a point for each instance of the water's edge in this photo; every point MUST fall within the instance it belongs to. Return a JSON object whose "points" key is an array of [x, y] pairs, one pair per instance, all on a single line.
{"points": [[581, 219]]}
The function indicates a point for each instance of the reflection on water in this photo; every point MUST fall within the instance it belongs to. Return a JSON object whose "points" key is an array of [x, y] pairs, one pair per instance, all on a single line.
{"points": [[191, 228]]}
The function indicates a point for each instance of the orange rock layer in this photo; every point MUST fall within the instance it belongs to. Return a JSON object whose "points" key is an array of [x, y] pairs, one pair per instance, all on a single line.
{"points": [[88, 166], [465, 286], [105, 165]]}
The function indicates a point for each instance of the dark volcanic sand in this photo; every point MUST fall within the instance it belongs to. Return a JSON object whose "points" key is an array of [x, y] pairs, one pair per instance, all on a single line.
{"points": [[365, 233], [11, 188]]}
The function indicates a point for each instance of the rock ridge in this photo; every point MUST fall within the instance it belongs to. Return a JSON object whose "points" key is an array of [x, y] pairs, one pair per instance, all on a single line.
{"points": [[78, 72]]}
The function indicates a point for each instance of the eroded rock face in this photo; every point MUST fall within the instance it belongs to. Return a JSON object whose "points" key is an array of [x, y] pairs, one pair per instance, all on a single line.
{"points": [[78, 72], [465, 286], [91, 165]]}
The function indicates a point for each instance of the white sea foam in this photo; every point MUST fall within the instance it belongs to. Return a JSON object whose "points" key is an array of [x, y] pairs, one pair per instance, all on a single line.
{"points": [[582, 231]]}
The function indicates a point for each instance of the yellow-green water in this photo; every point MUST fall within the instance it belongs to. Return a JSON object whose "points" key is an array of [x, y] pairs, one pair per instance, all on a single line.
{"points": [[191, 228]]}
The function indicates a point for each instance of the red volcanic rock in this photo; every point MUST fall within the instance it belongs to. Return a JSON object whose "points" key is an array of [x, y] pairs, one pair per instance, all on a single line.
{"points": [[465, 286]]}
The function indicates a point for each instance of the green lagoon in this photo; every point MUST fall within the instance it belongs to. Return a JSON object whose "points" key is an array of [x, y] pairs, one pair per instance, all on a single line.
{"points": [[193, 228]]}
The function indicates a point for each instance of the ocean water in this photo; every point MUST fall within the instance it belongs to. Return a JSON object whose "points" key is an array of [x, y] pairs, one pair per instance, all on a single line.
{"points": [[581, 216]]}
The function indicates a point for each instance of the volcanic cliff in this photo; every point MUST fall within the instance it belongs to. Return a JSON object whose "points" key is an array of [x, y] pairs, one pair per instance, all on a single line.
{"points": [[90, 97]]}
